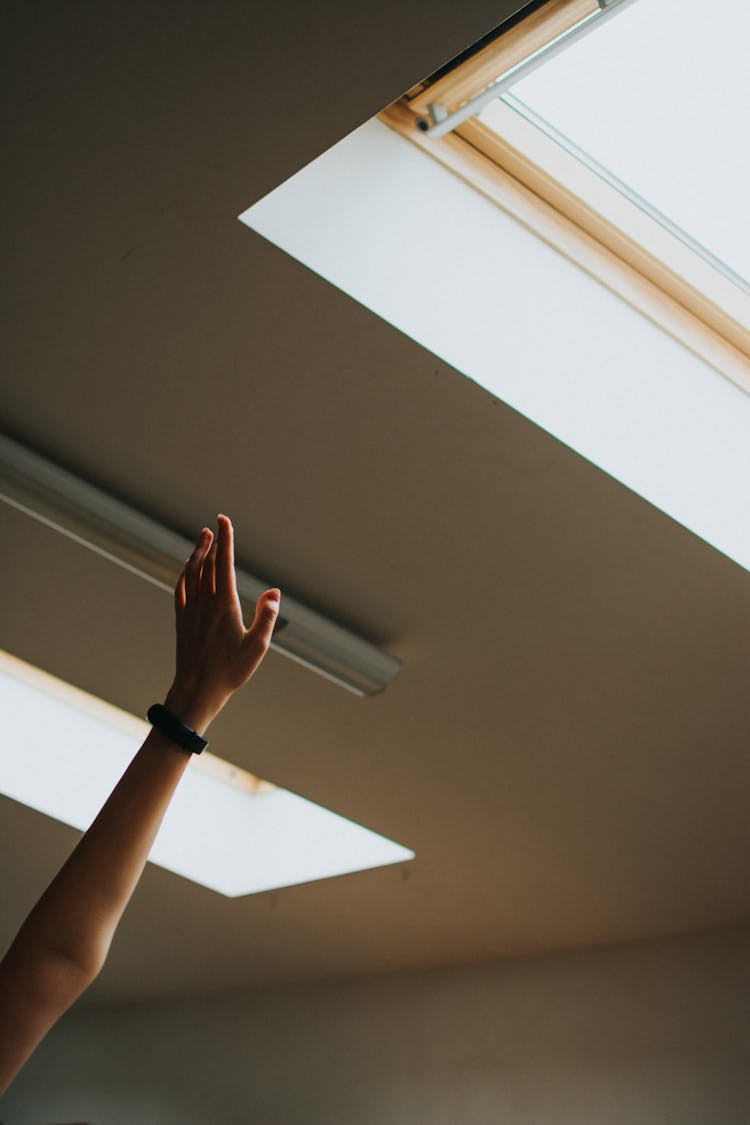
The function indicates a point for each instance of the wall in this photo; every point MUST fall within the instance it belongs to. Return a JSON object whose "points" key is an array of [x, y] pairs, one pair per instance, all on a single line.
{"points": [[640, 1034]]}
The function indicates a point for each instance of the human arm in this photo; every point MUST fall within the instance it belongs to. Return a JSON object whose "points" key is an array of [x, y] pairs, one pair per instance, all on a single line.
{"points": [[63, 943]]}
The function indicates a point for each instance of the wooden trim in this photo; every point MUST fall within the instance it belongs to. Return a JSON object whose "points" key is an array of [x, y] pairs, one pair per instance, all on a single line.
{"points": [[508, 50], [565, 234], [556, 176]]}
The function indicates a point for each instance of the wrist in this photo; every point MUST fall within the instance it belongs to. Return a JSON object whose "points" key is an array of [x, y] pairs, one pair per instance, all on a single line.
{"points": [[191, 706]]}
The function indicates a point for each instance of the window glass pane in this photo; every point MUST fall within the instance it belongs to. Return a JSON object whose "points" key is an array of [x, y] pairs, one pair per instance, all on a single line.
{"points": [[659, 94]]}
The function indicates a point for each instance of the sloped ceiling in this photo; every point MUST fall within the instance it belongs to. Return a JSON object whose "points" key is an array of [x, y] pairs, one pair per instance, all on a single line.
{"points": [[565, 748]]}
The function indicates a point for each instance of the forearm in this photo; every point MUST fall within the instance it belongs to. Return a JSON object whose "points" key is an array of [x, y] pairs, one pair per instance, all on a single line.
{"points": [[63, 943], [77, 915]]}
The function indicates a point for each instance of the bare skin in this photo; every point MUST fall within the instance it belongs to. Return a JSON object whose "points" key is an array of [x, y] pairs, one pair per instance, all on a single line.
{"points": [[63, 944]]}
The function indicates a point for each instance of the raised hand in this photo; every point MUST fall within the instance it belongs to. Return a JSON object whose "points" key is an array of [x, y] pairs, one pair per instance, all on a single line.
{"points": [[216, 653]]}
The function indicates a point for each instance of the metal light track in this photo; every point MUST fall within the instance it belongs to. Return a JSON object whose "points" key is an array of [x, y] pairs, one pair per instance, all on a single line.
{"points": [[85, 513]]}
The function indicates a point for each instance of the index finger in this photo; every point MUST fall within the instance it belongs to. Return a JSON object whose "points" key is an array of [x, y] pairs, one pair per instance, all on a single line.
{"points": [[226, 582], [194, 565]]}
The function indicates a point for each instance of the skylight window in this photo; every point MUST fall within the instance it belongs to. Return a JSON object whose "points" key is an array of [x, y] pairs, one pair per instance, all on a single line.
{"points": [[656, 99], [549, 283], [224, 829], [623, 116]]}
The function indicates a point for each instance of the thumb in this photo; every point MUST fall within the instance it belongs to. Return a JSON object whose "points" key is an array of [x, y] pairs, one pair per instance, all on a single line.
{"points": [[258, 636]]}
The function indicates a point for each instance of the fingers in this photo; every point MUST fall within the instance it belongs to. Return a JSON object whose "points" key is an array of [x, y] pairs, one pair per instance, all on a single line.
{"points": [[226, 583], [179, 592], [208, 574], [258, 636], [194, 565]]}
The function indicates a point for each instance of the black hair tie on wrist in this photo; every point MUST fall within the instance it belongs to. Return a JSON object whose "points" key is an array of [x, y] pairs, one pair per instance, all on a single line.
{"points": [[171, 727]]}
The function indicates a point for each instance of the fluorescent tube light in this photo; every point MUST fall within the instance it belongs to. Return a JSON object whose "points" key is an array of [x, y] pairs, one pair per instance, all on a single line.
{"points": [[65, 750], [83, 512]]}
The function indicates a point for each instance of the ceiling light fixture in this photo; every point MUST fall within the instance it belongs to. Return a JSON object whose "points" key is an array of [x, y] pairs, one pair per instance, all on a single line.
{"points": [[93, 518]]}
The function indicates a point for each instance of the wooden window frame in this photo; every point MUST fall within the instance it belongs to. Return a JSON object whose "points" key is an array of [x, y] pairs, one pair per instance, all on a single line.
{"points": [[551, 193]]}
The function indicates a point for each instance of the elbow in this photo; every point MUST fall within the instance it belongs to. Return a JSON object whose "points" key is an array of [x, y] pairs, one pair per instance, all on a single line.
{"points": [[45, 981], [67, 971], [62, 979], [66, 964], [81, 965]]}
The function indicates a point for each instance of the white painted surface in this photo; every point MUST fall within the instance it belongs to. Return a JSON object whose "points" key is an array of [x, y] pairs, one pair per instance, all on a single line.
{"points": [[412, 242]]}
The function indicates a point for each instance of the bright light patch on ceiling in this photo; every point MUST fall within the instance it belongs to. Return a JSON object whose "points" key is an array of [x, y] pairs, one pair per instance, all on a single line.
{"points": [[659, 96], [411, 241], [65, 750]]}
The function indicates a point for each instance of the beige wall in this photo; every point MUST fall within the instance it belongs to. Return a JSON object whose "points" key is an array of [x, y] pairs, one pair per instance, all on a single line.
{"points": [[648, 1033]]}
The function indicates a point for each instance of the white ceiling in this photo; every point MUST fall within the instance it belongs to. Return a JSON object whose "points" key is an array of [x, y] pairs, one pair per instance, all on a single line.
{"points": [[565, 748]]}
